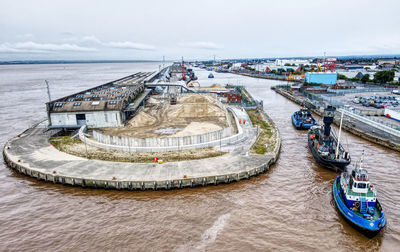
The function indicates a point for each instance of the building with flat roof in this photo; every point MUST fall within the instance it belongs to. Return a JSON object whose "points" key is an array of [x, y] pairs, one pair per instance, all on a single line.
{"points": [[326, 78], [297, 62], [106, 105]]}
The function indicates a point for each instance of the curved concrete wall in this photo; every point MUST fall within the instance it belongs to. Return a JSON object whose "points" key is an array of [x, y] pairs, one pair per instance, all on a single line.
{"points": [[171, 144], [162, 142]]}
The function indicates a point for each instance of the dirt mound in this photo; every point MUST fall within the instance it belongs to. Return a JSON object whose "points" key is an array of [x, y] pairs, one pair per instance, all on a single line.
{"points": [[141, 119], [196, 99], [196, 128], [216, 85], [194, 110], [193, 114], [154, 101]]}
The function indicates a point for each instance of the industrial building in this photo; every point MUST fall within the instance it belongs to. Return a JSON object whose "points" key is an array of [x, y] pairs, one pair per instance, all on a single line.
{"points": [[297, 62], [107, 105], [326, 78]]}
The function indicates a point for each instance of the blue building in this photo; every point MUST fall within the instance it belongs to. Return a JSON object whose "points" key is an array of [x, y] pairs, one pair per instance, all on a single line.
{"points": [[321, 77]]}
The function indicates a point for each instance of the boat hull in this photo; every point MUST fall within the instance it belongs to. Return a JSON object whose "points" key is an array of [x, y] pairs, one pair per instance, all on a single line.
{"points": [[367, 227], [301, 126], [330, 164]]}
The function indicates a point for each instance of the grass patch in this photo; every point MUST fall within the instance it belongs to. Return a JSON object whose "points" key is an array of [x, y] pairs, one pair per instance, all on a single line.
{"points": [[265, 141], [62, 142]]}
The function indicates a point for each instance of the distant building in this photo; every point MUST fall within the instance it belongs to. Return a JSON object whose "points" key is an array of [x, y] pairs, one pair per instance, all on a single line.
{"points": [[388, 62], [107, 105], [297, 62], [234, 96], [321, 78]]}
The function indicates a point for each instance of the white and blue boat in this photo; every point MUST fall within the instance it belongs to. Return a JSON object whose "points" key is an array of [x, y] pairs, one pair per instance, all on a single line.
{"points": [[303, 119], [356, 199], [210, 76]]}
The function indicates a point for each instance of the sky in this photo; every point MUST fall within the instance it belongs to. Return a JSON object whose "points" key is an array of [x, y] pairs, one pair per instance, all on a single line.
{"points": [[196, 30]]}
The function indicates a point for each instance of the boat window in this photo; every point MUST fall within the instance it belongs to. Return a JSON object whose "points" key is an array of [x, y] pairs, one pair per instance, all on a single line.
{"points": [[77, 104], [362, 185]]}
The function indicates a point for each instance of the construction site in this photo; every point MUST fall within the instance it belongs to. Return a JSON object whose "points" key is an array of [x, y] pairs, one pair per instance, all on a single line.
{"points": [[192, 114]]}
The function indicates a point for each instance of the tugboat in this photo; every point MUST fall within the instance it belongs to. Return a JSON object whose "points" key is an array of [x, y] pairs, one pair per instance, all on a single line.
{"points": [[210, 76], [356, 199], [325, 147], [303, 119]]}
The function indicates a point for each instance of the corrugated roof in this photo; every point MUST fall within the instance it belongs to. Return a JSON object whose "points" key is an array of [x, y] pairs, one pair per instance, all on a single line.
{"points": [[114, 95]]}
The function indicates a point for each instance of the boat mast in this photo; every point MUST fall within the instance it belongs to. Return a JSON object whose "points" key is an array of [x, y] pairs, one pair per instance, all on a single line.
{"points": [[340, 131], [362, 159]]}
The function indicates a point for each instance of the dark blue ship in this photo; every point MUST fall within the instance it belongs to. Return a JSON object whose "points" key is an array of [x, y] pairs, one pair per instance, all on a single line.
{"points": [[324, 145], [303, 119]]}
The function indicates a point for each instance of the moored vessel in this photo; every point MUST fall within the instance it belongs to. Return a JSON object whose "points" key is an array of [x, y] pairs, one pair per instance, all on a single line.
{"points": [[325, 147], [303, 119], [356, 199]]}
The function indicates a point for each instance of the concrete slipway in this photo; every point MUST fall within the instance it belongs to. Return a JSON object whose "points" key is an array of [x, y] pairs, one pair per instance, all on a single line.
{"points": [[30, 153]]}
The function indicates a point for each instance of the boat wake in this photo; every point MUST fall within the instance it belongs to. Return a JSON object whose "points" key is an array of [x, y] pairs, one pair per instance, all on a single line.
{"points": [[209, 236]]}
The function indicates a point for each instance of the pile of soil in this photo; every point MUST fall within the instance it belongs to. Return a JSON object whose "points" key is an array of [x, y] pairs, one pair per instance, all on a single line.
{"points": [[141, 119], [193, 114]]}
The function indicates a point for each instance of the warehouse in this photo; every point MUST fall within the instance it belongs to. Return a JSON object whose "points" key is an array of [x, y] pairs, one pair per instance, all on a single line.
{"points": [[326, 78], [102, 106]]}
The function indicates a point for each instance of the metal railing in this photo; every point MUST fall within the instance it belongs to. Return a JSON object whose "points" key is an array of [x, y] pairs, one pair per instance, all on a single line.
{"points": [[388, 128], [357, 90]]}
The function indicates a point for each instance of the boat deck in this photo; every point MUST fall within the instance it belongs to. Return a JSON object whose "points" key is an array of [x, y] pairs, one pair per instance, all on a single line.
{"points": [[377, 212]]}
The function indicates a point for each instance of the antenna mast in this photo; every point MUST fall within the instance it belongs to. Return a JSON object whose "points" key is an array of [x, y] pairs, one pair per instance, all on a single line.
{"points": [[48, 90]]}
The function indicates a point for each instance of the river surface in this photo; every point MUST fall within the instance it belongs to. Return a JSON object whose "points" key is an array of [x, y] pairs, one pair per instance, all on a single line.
{"points": [[289, 208]]}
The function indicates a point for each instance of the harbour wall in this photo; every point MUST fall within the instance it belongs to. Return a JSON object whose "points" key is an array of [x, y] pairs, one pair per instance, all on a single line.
{"points": [[140, 185], [21, 166]]}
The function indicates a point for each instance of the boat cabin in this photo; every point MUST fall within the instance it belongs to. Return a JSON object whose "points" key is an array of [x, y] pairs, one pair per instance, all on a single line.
{"points": [[359, 181]]}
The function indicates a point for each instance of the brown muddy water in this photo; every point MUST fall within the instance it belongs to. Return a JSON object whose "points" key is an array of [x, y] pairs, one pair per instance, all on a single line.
{"points": [[290, 208]]}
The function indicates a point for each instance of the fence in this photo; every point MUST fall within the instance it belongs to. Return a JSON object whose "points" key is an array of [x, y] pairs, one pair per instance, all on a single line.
{"points": [[179, 143], [358, 90], [388, 128], [162, 142]]}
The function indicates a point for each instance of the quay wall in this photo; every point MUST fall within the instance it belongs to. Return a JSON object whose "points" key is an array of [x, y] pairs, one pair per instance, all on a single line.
{"points": [[370, 136], [139, 185], [246, 172], [269, 77]]}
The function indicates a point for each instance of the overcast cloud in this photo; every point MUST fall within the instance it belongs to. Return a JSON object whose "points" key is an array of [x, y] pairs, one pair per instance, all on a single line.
{"points": [[151, 29]]}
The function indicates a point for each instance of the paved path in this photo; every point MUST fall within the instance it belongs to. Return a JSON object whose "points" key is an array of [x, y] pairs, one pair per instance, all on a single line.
{"points": [[30, 153]]}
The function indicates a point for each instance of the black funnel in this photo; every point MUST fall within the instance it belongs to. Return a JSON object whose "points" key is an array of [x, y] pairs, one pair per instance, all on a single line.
{"points": [[329, 114]]}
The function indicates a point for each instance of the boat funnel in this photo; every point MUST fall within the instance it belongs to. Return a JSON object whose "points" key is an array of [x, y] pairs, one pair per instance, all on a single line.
{"points": [[329, 114]]}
